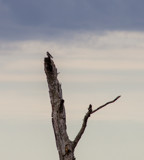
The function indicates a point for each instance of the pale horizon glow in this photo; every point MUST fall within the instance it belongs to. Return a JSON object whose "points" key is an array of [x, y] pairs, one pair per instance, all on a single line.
{"points": [[94, 69]]}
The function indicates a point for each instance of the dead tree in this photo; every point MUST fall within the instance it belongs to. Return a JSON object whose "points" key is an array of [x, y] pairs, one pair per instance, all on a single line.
{"points": [[64, 145]]}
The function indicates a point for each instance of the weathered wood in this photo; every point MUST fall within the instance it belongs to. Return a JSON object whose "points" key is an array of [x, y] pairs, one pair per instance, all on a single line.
{"points": [[64, 145], [86, 117]]}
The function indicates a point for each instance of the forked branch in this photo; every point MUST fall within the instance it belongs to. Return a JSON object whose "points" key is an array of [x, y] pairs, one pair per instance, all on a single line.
{"points": [[65, 146], [85, 120]]}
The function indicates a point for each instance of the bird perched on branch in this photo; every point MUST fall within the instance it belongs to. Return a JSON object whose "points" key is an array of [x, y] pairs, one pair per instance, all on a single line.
{"points": [[49, 55]]}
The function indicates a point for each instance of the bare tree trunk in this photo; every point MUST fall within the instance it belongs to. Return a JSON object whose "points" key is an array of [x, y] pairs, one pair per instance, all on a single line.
{"points": [[64, 145]]}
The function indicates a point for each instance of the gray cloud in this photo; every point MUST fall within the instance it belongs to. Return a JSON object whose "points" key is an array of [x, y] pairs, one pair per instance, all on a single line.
{"points": [[41, 18]]}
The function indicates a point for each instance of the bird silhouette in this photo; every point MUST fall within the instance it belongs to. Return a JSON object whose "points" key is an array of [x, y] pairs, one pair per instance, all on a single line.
{"points": [[49, 55]]}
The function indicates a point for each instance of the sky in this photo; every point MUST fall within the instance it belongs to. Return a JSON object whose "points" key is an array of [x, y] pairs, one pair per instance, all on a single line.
{"points": [[97, 47]]}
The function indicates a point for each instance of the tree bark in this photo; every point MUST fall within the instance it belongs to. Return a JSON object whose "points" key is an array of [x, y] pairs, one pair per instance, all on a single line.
{"points": [[64, 145]]}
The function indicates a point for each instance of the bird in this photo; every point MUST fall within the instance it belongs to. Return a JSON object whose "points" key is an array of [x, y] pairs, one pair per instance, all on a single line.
{"points": [[49, 55]]}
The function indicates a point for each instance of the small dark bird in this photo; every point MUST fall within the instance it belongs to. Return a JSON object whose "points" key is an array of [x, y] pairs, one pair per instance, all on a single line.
{"points": [[49, 55]]}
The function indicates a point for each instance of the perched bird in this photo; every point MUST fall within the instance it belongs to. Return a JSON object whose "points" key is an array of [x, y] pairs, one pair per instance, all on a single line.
{"points": [[49, 55]]}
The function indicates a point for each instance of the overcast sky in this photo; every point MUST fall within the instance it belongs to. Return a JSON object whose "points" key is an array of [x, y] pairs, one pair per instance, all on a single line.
{"points": [[43, 19], [98, 48]]}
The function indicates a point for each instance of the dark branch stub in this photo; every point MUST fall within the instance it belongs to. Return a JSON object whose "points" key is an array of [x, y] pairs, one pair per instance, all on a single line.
{"points": [[65, 146], [90, 108]]}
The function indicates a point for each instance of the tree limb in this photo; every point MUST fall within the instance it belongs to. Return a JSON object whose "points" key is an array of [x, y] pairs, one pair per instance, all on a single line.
{"points": [[64, 145], [90, 111], [105, 104]]}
